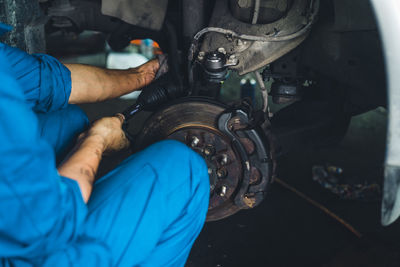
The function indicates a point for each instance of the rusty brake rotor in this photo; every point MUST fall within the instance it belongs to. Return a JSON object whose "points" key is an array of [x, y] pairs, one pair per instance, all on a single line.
{"points": [[236, 153]]}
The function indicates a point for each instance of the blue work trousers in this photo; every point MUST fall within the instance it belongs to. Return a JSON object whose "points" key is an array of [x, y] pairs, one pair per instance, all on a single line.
{"points": [[150, 209]]}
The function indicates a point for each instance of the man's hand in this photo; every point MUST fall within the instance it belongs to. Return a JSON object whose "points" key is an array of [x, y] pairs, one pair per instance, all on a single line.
{"points": [[105, 136], [146, 72], [93, 84], [109, 129]]}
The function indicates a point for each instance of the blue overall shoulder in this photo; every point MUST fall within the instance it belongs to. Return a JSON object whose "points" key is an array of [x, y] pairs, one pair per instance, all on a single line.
{"points": [[46, 82], [41, 212]]}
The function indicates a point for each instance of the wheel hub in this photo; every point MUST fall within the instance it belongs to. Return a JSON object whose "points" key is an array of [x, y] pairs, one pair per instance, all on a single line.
{"points": [[222, 162], [236, 153]]}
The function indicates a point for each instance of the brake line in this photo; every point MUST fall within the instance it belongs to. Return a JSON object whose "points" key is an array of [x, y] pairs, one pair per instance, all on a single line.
{"points": [[347, 225]]}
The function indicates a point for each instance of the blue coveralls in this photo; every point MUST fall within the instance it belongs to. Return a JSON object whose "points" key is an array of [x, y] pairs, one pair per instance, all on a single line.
{"points": [[146, 212]]}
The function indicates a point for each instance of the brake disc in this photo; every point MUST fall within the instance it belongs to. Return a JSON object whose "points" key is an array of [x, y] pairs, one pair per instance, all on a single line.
{"points": [[237, 153]]}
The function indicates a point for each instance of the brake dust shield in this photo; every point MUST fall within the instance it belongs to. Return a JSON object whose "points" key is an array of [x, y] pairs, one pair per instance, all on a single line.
{"points": [[238, 160]]}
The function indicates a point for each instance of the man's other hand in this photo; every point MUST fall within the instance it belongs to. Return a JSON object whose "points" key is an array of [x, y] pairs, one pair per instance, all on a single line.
{"points": [[111, 133]]}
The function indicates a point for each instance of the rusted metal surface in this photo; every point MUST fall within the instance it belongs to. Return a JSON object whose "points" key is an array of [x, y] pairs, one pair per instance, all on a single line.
{"points": [[223, 163], [248, 145], [235, 167], [253, 55]]}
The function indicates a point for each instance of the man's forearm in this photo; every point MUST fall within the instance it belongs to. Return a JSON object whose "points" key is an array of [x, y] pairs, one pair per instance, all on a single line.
{"points": [[83, 163], [93, 84]]}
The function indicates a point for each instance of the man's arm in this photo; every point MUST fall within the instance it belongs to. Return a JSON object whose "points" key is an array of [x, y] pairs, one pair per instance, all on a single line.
{"points": [[93, 84], [105, 135]]}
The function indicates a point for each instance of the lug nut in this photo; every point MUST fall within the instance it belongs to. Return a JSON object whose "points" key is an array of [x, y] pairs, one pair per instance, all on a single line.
{"points": [[221, 50], [223, 191], [209, 150], [221, 173], [209, 171], [201, 55], [195, 141], [224, 159]]}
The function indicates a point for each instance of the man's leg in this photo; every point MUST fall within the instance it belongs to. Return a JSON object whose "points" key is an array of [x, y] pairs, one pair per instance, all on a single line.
{"points": [[60, 128], [151, 208]]}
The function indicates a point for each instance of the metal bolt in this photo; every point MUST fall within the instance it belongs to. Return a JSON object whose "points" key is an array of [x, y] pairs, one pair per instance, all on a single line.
{"points": [[224, 159], [232, 60], [221, 50], [209, 150], [195, 141], [223, 191], [247, 165], [201, 55], [221, 173]]}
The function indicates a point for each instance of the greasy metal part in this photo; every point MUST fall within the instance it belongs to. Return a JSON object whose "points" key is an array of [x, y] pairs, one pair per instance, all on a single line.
{"points": [[56, 10], [236, 124], [193, 17], [224, 178], [79, 15], [28, 24], [215, 61], [147, 14], [264, 92], [287, 78], [259, 11], [388, 15], [237, 157], [283, 93], [256, 11], [260, 44], [215, 66]]}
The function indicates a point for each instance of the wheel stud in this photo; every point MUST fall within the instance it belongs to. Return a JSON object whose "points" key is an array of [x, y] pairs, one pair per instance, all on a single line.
{"points": [[224, 159], [223, 191], [209, 150], [221, 173], [195, 141]]}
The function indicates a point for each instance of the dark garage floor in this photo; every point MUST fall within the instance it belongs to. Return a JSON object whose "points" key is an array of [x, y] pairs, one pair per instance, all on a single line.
{"points": [[287, 231]]}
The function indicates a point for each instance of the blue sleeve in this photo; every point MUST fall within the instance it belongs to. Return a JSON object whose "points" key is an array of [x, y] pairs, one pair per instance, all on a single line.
{"points": [[46, 82], [41, 213]]}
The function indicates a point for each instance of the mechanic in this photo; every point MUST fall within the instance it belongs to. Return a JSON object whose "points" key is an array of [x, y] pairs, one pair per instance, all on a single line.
{"points": [[146, 212]]}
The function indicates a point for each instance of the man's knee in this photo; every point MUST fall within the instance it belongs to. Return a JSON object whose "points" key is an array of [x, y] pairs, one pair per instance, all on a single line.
{"points": [[177, 157], [178, 166], [78, 115], [184, 177]]}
